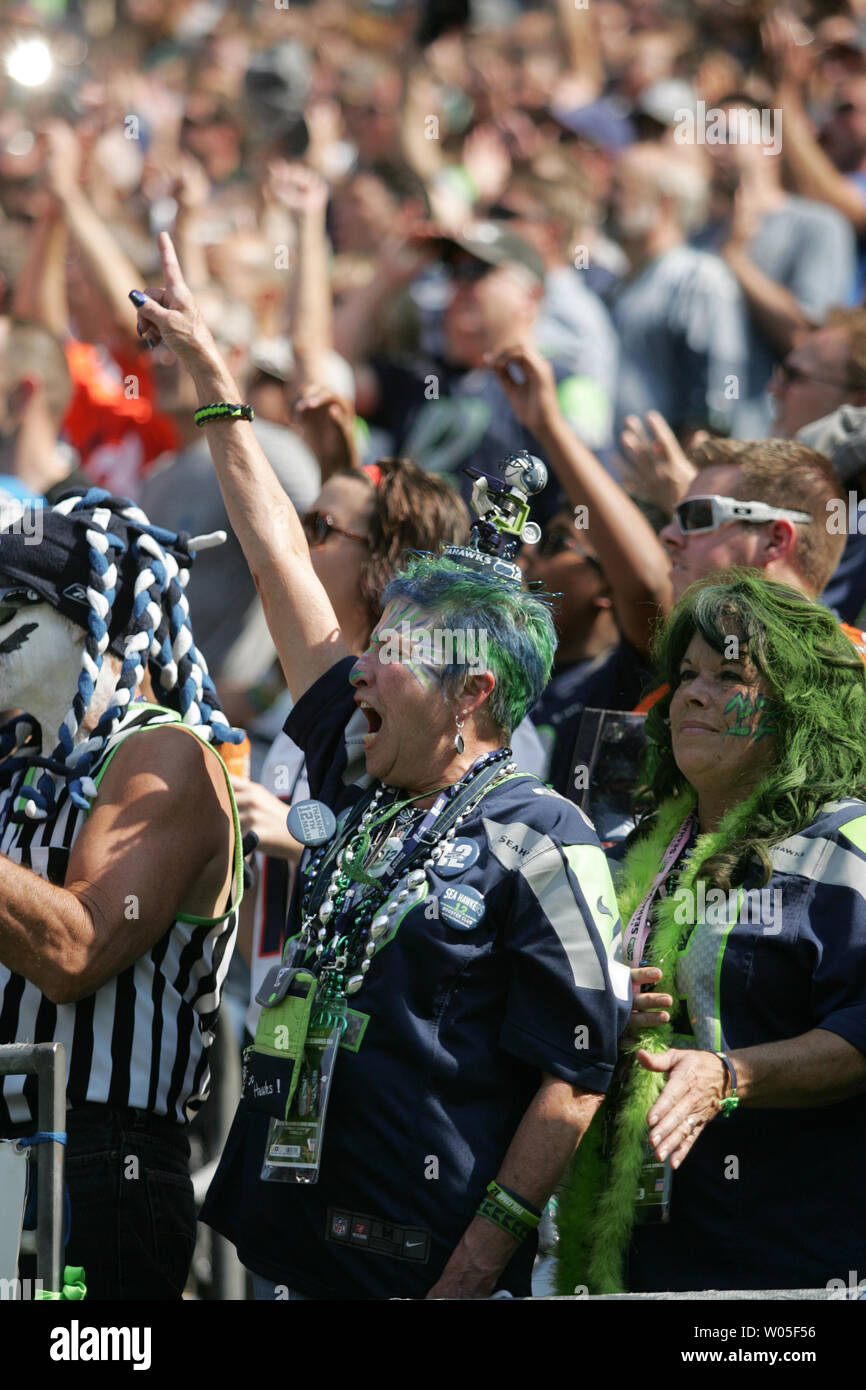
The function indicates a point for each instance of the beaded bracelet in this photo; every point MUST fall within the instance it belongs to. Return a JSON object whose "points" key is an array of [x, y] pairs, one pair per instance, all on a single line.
{"points": [[223, 410], [730, 1103]]}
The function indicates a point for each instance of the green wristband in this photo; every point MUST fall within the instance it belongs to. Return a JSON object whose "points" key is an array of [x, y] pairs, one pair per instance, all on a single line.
{"points": [[518, 1207], [223, 410], [501, 1217]]}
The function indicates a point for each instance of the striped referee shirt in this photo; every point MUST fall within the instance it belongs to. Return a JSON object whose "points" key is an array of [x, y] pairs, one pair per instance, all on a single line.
{"points": [[141, 1039]]}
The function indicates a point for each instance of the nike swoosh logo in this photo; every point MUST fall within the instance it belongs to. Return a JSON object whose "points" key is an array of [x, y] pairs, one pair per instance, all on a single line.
{"points": [[410, 1244], [600, 907]]}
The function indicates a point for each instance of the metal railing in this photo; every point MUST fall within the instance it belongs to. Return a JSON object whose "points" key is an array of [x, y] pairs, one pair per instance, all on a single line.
{"points": [[47, 1062]]}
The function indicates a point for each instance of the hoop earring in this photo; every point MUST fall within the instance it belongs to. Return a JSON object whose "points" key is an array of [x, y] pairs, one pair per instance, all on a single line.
{"points": [[458, 737]]}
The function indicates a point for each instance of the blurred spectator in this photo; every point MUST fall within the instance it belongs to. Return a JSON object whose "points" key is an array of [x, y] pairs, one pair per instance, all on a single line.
{"points": [[679, 314], [34, 394], [573, 326], [793, 257], [448, 412]]}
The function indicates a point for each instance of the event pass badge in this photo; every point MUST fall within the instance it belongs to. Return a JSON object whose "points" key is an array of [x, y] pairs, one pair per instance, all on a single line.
{"points": [[293, 1152]]}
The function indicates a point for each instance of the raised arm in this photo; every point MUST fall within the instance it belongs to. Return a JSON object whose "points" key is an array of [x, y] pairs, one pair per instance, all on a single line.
{"points": [[109, 265], [305, 194], [299, 614], [631, 554], [812, 172]]}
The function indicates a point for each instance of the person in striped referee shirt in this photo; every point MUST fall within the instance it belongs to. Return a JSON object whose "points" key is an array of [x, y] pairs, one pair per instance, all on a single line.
{"points": [[120, 873]]}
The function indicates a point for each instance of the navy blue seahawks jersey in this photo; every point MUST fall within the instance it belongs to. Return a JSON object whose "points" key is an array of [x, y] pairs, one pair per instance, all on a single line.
{"points": [[773, 1198], [502, 968]]}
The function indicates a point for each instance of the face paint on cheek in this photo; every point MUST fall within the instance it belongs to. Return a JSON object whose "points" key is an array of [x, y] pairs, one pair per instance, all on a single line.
{"points": [[752, 718], [767, 724], [411, 639]]}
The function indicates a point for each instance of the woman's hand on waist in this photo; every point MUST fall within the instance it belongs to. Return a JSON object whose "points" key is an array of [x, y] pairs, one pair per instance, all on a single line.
{"points": [[692, 1095]]}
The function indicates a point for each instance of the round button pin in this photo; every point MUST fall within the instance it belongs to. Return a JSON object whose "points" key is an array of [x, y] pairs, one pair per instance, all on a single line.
{"points": [[461, 908], [457, 857], [312, 822]]}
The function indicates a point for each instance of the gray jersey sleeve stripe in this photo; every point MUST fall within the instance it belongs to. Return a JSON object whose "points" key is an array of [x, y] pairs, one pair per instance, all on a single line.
{"points": [[820, 859], [540, 863]]}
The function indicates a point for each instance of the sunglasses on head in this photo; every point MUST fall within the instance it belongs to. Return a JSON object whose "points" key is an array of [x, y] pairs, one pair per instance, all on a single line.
{"points": [[711, 512], [319, 525], [14, 597]]}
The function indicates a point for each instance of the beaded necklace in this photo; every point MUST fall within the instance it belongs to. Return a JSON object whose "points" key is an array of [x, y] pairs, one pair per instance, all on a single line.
{"points": [[341, 921]]}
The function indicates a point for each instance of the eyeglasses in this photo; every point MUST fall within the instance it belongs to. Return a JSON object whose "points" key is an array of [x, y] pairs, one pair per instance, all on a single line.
{"points": [[709, 513], [787, 374], [554, 543], [16, 596], [319, 525]]}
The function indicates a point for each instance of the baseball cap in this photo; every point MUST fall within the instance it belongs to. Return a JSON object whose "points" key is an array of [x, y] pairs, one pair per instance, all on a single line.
{"points": [[495, 245], [600, 122], [58, 567]]}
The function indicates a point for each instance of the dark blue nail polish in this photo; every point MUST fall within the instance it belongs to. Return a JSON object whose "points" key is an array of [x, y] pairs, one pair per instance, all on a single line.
{"points": [[137, 298]]}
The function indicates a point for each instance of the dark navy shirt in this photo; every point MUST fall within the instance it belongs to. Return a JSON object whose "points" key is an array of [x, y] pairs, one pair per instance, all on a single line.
{"points": [[458, 1027], [846, 592]]}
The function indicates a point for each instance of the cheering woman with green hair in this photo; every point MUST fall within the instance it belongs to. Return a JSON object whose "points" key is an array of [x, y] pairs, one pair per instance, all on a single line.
{"points": [[446, 1017], [728, 1154]]}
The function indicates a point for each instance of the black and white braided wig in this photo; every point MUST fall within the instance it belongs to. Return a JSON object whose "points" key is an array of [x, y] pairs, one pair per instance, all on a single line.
{"points": [[104, 565]]}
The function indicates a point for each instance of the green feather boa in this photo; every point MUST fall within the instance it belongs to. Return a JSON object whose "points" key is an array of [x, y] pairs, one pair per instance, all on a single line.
{"points": [[597, 1200]]}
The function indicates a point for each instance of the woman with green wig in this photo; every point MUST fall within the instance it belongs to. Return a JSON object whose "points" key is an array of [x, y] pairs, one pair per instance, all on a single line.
{"points": [[446, 1014], [728, 1153]]}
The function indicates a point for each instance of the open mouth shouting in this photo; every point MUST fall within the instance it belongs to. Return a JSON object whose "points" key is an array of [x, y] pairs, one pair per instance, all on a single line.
{"points": [[374, 722]]}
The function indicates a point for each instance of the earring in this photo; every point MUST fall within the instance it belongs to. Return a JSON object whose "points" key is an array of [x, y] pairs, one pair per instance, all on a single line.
{"points": [[458, 737]]}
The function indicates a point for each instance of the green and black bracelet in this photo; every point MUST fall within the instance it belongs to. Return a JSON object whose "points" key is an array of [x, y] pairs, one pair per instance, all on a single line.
{"points": [[508, 1211], [223, 410]]}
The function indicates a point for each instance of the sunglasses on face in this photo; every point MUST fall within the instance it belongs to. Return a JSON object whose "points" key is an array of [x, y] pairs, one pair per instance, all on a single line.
{"points": [[319, 525], [14, 597], [554, 543], [711, 512]]}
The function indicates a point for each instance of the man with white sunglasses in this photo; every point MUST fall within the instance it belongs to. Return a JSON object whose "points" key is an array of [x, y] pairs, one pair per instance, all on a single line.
{"points": [[733, 513], [762, 504]]}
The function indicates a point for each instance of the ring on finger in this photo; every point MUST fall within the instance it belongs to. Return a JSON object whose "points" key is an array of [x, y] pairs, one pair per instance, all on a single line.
{"points": [[690, 1122]]}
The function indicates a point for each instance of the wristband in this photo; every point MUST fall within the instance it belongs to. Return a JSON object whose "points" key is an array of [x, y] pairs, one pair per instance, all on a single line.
{"points": [[513, 1202], [729, 1103], [501, 1217], [508, 1211], [223, 410]]}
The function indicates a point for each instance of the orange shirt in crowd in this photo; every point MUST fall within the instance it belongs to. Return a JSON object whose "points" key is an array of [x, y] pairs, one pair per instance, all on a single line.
{"points": [[112, 418]]}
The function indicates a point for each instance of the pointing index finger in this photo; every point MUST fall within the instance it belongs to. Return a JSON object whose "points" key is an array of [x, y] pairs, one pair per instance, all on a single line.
{"points": [[173, 276]]}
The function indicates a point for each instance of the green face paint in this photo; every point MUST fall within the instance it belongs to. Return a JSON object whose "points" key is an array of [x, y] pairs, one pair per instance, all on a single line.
{"points": [[415, 640], [753, 718]]}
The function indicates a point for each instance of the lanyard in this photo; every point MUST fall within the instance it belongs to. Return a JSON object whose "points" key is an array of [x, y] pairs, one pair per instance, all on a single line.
{"points": [[449, 804], [637, 931]]}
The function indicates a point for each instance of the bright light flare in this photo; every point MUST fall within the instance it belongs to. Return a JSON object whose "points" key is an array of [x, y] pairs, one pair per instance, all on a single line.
{"points": [[29, 62]]}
